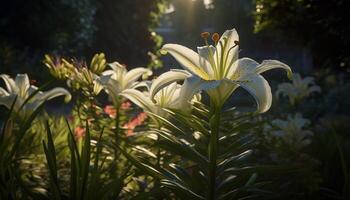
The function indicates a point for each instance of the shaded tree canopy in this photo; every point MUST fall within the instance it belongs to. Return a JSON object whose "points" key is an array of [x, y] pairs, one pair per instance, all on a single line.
{"points": [[74, 28], [125, 30], [46, 25], [323, 25], [30, 29]]}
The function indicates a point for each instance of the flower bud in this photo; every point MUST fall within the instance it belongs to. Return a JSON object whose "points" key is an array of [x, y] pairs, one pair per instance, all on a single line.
{"points": [[98, 63]]}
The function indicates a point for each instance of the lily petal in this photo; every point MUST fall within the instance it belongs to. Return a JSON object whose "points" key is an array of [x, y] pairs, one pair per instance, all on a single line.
{"points": [[105, 77], [204, 58], [192, 85], [107, 73], [220, 94], [260, 89], [308, 81], [146, 84], [286, 89], [135, 74], [22, 82], [243, 66], [139, 98], [3, 92], [118, 72], [166, 79], [10, 83], [31, 90], [167, 97], [97, 87], [117, 67], [272, 64], [187, 58], [231, 36], [297, 80], [113, 88], [7, 101], [315, 88], [43, 96]]}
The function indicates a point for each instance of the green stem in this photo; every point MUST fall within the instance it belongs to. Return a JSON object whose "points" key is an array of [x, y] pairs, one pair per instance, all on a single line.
{"points": [[117, 130], [158, 152], [343, 165], [158, 165], [213, 151]]}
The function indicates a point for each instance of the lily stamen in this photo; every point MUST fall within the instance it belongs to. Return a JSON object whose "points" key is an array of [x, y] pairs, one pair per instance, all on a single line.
{"points": [[205, 35], [211, 53], [215, 38]]}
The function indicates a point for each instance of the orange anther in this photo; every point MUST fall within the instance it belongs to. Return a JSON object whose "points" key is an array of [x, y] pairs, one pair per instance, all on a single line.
{"points": [[215, 37], [205, 35]]}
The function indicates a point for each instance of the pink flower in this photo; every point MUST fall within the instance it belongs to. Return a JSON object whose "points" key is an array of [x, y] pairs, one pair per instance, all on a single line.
{"points": [[110, 110], [133, 123], [125, 105], [79, 132]]}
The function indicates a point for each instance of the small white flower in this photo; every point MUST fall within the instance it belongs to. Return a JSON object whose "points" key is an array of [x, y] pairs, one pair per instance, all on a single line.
{"points": [[119, 79], [292, 130], [298, 89], [173, 96], [21, 89]]}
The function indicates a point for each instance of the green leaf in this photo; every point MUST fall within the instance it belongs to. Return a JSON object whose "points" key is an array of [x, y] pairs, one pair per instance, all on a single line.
{"points": [[181, 190], [179, 147], [85, 162], [50, 154], [142, 166], [231, 160]]}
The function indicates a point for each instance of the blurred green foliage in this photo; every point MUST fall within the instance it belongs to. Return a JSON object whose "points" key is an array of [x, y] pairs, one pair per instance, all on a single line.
{"points": [[125, 30], [28, 29], [188, 20], [322, 25], [235, 13], [121, 29]]}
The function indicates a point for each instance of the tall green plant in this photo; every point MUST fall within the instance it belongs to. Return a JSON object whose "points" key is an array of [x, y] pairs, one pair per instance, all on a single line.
{"points": [[87, 169], [25, 102], [195, 139]]}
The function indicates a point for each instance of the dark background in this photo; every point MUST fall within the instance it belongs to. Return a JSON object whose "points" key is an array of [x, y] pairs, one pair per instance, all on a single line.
{"points": [[307, 34]]}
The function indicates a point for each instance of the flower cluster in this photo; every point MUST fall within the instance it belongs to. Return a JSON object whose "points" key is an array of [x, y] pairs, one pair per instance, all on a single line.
{"points": [[291, 131], [118, 79], [77, 74], [168, 101], [214, 69], [298, 89], [25, 97]]}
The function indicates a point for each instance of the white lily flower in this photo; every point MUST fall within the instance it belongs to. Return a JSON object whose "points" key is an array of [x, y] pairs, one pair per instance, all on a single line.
{"points": [[298, 89], [172, 96], [292, 130], [119, 79], [21, 89], [220, 66]]}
